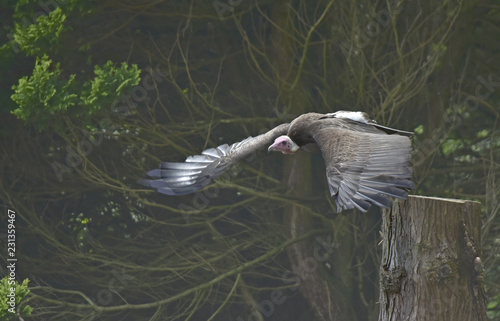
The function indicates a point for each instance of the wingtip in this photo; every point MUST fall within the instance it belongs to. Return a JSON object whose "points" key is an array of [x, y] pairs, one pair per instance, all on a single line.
{"points": [[144, 182]]}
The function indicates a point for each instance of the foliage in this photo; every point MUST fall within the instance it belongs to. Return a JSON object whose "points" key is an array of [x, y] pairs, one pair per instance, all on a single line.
{"points": [[39, 25], [45, 94], [34, 39], [20, 292], [110, 82], [493, 308]]}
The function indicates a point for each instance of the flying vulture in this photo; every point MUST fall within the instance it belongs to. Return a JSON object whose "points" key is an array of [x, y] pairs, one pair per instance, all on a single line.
{"points": [[366, 163]]}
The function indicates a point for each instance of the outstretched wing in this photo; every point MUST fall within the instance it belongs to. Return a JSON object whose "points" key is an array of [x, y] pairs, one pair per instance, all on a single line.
{"points": [[196, 172], [199, 170], [364, 167]]}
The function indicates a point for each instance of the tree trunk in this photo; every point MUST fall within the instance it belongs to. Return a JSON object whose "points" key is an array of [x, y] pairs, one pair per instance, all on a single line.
{"points": [[431, 267], [327, 303]]}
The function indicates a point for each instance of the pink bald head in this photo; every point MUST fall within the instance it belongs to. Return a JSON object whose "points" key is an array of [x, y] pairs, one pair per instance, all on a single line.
{"points": [[284, 144]]}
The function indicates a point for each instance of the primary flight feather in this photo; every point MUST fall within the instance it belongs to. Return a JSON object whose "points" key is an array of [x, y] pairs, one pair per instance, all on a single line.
{"points": [[366, 163]]}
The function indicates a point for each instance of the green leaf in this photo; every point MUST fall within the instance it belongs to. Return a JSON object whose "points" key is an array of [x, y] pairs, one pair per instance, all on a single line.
{"points": [[109, 84], [46, 94], [9, 288], [450, 146], [419, 130], [34, 39]]}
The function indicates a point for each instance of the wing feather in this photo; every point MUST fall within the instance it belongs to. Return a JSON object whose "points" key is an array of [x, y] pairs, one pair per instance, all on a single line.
{"points": [[200, 170], [365, 167]]}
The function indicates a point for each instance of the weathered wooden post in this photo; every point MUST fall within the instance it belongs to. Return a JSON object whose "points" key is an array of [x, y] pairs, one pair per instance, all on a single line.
{"points": [[431, 267]]}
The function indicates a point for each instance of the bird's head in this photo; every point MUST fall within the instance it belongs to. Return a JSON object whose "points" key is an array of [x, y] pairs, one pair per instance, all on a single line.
{"points": [[284, 144]]}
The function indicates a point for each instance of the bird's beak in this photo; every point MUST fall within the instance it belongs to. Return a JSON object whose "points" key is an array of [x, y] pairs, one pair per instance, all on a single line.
{"points": [[271, 148]]}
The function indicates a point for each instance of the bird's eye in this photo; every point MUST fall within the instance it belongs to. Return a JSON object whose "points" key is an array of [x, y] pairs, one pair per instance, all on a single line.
{"points": [[283, 143]]}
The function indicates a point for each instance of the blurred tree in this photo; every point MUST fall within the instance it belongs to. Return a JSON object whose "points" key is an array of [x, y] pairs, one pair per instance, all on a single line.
{"points": [[95, 246]]}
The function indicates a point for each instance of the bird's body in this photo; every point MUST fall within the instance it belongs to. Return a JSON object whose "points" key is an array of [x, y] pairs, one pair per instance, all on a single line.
{"points": [[365, 162]]}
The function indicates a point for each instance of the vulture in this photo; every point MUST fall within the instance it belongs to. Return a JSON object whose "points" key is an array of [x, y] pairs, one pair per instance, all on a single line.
{"points": [[366, 163]]}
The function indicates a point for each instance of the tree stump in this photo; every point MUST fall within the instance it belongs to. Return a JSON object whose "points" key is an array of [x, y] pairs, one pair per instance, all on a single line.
{"points": [[431, 267]]}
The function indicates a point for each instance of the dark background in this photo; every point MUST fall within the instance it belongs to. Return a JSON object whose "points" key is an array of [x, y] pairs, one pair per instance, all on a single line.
{"points": [[95, 245]]}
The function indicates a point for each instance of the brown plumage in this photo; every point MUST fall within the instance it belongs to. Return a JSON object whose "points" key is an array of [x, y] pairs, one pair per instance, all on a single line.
{"points": [[366, 163]]}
